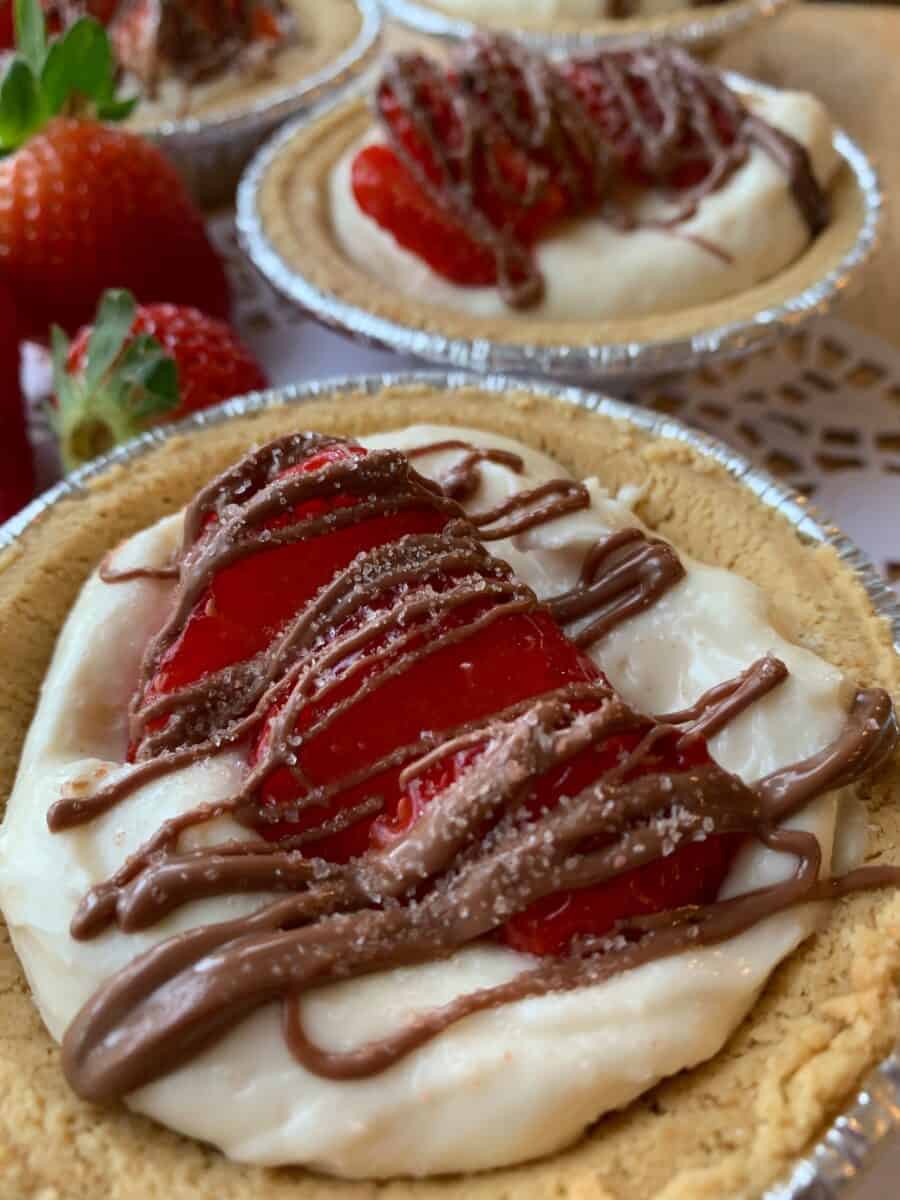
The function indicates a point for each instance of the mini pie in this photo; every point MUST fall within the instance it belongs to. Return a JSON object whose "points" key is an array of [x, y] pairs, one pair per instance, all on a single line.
{"points": [[188, 59], [637, 238], [729, 1127]]}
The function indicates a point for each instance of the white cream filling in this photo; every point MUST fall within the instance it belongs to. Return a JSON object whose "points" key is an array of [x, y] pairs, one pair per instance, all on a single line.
{"points": [[502, 1086], [594, 271], [543, 13]]}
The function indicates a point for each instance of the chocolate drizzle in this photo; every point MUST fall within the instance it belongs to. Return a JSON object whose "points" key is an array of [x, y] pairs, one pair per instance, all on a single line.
{"points": [[109, 574], [463, 479], [473, 857], [622, 575], [501, 95], [195, 42]]}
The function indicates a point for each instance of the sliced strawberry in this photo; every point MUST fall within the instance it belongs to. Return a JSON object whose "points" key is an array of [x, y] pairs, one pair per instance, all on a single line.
{"points": [[435, 97], [386, 192], [248, 603], [264, 25], [691, 875], [501, 177], [471, 144], [608, 108], [514, 658]]}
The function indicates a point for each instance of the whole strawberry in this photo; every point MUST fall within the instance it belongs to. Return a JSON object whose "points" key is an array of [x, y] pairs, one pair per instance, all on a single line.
{"points": [[16, 465], [84, 206], [138, 365]]}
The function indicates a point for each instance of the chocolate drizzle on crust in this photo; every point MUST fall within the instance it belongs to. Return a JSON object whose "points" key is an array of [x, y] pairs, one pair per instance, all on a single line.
{"points": [[477, 854], [503, 100]]}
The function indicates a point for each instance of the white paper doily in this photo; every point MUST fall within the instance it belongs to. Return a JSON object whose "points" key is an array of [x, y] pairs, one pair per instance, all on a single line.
{"points": [[820, 411]]}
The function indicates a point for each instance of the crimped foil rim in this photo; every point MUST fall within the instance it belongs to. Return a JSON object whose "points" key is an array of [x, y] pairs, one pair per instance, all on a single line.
{"points": [[696, 27], [284, 103], [608, 362], [836, 1161]]}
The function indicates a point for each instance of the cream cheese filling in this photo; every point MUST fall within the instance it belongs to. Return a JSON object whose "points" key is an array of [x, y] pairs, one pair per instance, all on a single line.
{"points": [[500, 1087], [592, 270], [544, 13]]}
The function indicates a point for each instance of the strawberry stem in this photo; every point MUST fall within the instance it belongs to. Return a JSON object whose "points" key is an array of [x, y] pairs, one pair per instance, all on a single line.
{"points": [[88, 439], [127, 382]]}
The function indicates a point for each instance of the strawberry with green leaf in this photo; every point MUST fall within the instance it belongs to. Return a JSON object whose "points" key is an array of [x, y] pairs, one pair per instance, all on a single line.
{"points": [[83, 205], [138, 365]]}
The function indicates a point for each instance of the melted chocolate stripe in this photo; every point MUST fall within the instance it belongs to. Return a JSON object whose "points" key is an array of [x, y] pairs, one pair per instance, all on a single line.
{"points": [[109, 574], [866, 742], [623, 574], [717, 707], [524, 510], [464, 478]]}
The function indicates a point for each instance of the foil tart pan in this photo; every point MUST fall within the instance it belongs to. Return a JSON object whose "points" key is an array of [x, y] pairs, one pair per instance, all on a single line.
{"points": [[872, 1117], [211, 152], [702, 28], [610, 364]]}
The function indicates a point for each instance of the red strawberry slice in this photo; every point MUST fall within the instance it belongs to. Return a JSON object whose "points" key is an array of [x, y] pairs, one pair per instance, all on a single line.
{"points": [[608, 108], [386, 192], [516, 657], [384, 188], [248, 603]]}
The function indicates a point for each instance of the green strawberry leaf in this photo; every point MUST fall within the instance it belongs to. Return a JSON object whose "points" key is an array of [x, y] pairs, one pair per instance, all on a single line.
{"points": [[149, 378], [21, 109], [79, 64], [125, 384], [76, 73], [115, 316], [31, 33]]}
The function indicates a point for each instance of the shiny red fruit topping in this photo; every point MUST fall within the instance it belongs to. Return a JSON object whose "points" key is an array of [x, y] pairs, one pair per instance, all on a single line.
{"points": [[617, 110], [516, 657], [408, 187], [387, 191]]}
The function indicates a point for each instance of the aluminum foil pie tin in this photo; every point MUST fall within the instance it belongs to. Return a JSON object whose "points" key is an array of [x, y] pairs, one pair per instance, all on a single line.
{"points": [[701, 28], [210, 152], [610, 364], [871, 1117]]}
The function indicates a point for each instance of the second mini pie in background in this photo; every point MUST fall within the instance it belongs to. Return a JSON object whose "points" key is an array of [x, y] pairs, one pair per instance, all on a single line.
{"points": [[621, 198]]}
